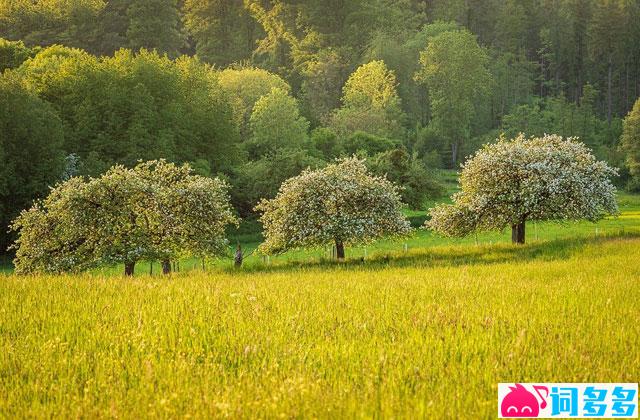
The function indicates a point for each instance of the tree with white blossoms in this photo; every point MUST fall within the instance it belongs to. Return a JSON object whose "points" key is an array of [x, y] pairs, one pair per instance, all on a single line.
{"points": [[156, 210], [510, 182], [341, 204]]}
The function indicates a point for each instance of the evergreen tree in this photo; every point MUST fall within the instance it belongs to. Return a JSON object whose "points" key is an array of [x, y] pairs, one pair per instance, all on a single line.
{"points": [[153, 24]]}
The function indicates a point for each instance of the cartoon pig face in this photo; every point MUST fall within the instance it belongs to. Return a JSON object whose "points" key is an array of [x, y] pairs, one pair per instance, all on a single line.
{"points": [[519, 403]]}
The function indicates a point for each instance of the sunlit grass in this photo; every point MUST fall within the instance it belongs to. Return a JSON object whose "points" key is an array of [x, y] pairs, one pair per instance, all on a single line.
{"points": [[426, 333], [423, 332]]}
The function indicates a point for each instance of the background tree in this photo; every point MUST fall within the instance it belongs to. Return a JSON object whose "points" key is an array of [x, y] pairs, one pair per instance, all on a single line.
{"points": [[223, 31], [276, 123], [510, 182], [630, 143], [417, 183], [13, 54], [339, 204], [31, 156], [153, 24], [258, 179], [130, 106], [323, 78], [454, 69], [43, 23], [245, 86], [370, 102]]}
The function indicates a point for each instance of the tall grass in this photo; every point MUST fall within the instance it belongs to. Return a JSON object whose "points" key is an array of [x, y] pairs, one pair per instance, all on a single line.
{"points": [[428, 333]]}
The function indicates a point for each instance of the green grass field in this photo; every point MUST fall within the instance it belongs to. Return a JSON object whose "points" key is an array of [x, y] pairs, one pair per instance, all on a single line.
{"points": [[424, 333]]}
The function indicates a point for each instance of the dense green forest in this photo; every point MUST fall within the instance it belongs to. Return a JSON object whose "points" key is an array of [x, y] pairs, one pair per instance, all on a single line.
{"points": [[256, 91]]}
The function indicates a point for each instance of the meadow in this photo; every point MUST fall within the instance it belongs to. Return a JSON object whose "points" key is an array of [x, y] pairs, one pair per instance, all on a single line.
{"points": [[424, 333]]}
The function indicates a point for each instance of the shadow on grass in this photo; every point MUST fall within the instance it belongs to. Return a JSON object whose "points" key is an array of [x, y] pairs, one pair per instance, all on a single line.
{"points": [[446, 256]]}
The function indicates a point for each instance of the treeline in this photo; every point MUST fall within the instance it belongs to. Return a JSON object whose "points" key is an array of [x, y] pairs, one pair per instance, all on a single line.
{"points": [[546, 48], [256, 91]]}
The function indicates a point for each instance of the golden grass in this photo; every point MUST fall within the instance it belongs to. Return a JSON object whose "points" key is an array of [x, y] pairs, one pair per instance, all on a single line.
{"points": [[429, 333]]}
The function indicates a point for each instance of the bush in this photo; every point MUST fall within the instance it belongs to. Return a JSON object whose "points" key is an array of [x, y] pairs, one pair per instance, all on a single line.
{"points": [[416, 182], [260, 179]]}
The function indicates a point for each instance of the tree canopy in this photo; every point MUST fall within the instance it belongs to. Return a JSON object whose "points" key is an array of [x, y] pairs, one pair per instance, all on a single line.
{"points": [[276, 123], [31, 150], [370, 102], [132, 80]]}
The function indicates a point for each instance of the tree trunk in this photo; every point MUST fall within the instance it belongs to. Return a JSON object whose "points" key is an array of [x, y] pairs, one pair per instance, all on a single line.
{"points": [[517, 233], [339, 250], [129, 267], [454, 154], [166, 266], [609, 93]]}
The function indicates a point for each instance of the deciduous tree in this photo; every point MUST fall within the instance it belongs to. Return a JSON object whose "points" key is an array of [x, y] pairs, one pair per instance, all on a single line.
{"points": [[276, 123], [454, 69], [512, 181], [156, 210], [31, 156], [370, 102], [341, 204], [630, 141]]}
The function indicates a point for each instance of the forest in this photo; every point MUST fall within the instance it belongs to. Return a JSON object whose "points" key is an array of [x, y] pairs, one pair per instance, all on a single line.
{"points": [[256, 91], [319, 208]]}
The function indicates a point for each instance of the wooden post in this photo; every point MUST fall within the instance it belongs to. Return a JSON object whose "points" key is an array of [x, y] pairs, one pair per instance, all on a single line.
{"points": [[151, 268], [239, 257]]}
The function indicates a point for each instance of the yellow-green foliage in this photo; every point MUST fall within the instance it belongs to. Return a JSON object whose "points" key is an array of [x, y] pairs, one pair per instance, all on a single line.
{"points": [[429, 333]]}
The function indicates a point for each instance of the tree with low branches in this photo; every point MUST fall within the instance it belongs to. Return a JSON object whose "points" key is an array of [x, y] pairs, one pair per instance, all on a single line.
{"points": [[510, 182], [156, 210], [341, 204]]}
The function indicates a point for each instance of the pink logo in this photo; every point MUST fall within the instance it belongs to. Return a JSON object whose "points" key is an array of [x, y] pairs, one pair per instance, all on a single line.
{"points": [[521, 403]]}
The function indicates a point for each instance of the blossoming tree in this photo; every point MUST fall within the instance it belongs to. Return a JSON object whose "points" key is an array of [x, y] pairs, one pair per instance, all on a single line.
{"points": [[512, 181], [339, 204], [156, 210]]}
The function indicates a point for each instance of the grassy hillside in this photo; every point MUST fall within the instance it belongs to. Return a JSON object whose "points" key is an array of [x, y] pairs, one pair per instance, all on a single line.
{"points": [[429, 333], [537, 233]]}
